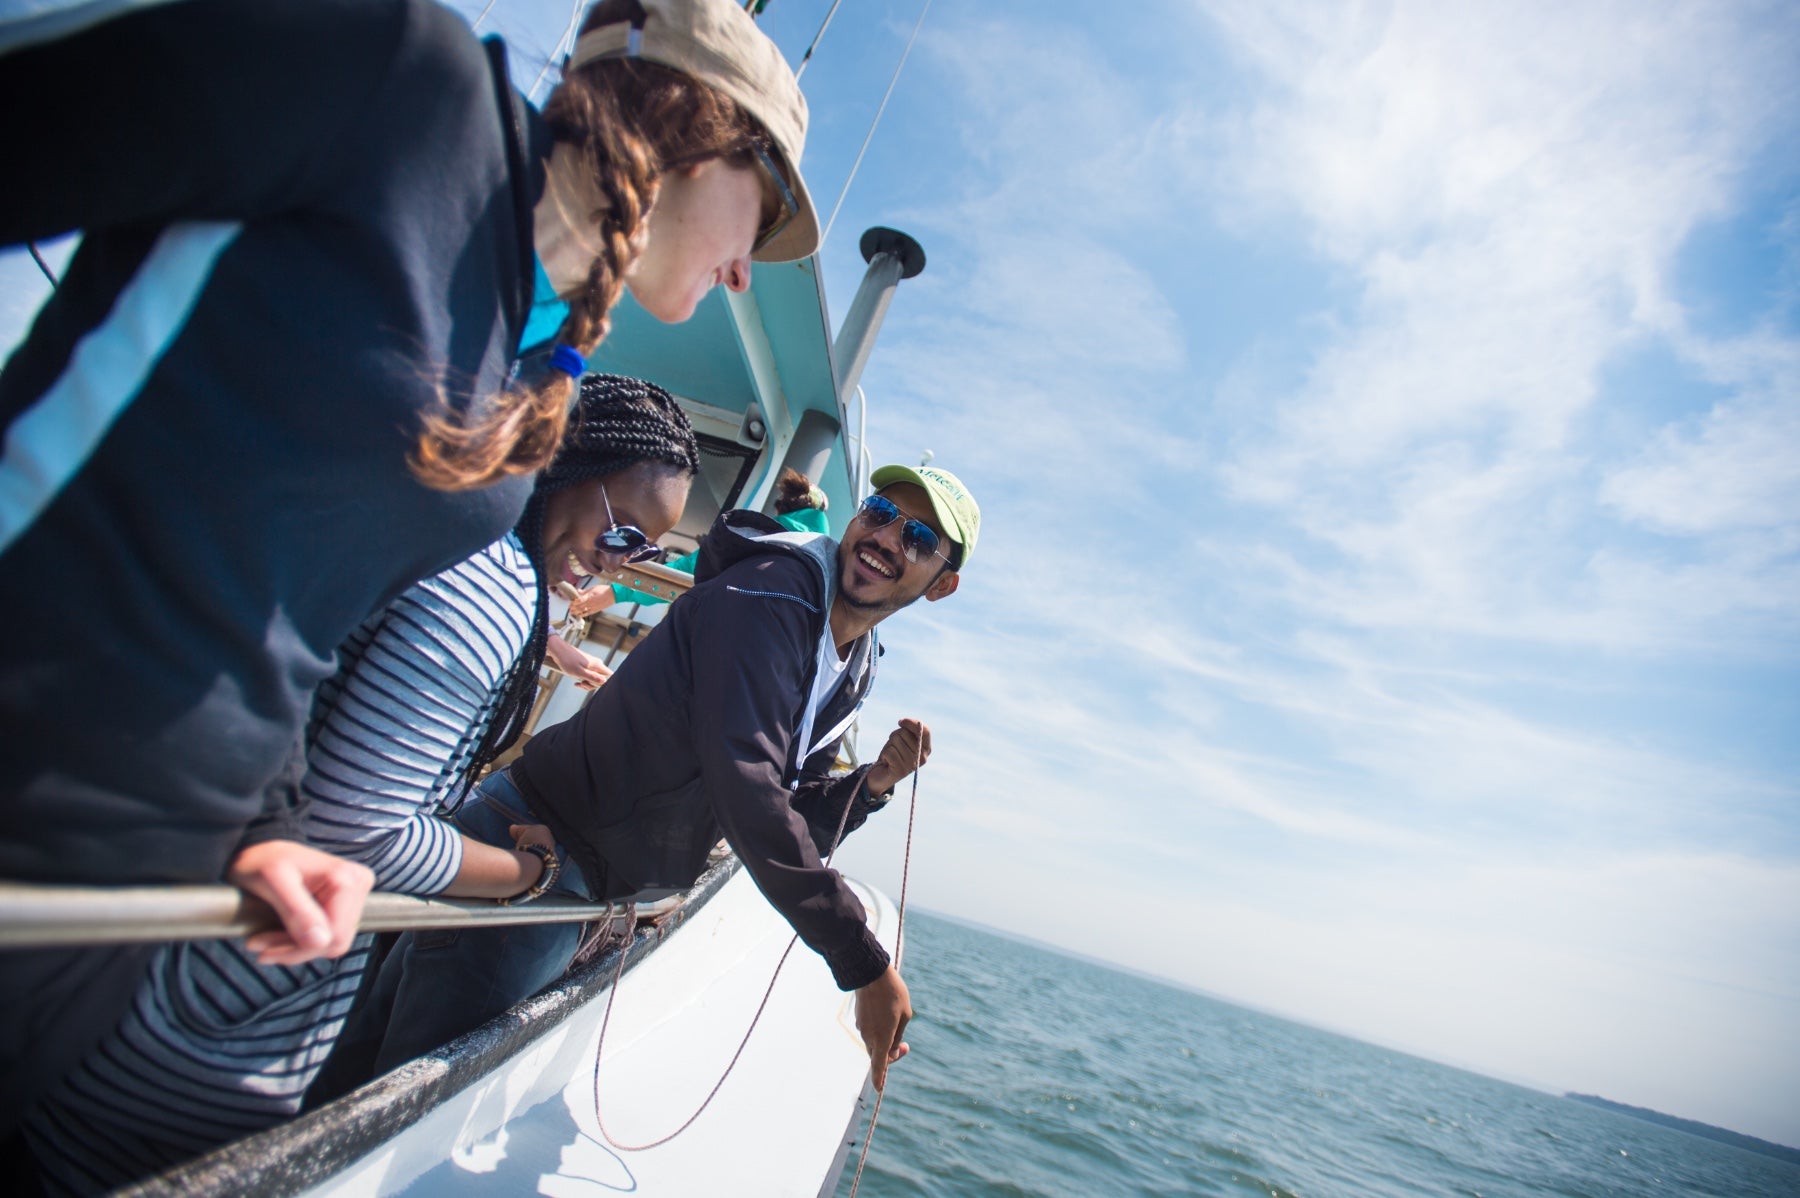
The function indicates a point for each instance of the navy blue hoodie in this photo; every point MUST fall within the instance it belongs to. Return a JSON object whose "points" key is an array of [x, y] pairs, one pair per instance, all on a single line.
{"points": [[697, 735], [303, 221]]}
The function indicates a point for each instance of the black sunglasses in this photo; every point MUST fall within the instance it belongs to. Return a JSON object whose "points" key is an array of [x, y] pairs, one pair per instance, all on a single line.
{"points": [[917, 540], [624, 540]]}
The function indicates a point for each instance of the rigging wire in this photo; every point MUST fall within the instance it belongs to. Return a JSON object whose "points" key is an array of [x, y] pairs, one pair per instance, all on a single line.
{"points": [[475, 27], [807, 57], [42, 265], [559, 54], [865, 464], [871, 133]]}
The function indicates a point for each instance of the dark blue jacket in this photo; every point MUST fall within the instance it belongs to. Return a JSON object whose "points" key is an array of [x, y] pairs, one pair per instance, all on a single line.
{"points": [[302, 222], [697, 735]]}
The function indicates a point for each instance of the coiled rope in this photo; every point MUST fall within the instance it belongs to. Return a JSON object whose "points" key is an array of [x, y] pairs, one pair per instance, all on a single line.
{"points": [[899, 951]]}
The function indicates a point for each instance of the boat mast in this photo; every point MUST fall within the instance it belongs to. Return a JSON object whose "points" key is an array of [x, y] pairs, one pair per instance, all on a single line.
{"points": [[892, 256]]}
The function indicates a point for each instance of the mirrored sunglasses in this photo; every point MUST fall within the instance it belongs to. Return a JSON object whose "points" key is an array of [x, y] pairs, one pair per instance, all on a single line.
{"points": [[627, 541], [917, 539]]}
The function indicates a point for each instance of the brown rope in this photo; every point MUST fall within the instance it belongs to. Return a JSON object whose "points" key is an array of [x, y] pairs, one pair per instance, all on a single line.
{"points": [[912, 810], [619, 973]]}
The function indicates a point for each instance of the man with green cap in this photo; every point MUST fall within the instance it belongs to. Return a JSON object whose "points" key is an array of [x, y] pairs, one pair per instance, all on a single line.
{"points": [[725, 720]]}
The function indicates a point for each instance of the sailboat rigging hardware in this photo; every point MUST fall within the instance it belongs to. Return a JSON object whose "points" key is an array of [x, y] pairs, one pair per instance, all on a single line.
{"points": [[899, 951], [870, 135], [564, 46], [814, 44]]}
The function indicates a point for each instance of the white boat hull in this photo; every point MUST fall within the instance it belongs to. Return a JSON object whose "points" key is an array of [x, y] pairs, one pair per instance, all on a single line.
{"points": [[777, 1126]]}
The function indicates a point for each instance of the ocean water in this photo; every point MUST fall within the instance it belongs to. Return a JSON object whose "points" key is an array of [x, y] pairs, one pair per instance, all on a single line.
{"points": [[1035, 1073]]}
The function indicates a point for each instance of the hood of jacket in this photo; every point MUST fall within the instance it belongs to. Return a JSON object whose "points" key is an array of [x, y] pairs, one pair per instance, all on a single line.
{"points": [[740, 533]]}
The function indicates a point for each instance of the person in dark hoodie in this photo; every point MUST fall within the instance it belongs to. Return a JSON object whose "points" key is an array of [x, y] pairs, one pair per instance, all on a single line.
{"points": [[726, 720]]}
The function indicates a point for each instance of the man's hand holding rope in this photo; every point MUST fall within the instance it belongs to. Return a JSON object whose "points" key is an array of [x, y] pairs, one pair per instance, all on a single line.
{"points": [[908, 747], [883, 1008]]}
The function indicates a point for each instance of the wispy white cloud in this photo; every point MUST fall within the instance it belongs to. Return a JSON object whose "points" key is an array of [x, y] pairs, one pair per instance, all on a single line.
{"points": [[1732, 468], [1511, 187]]}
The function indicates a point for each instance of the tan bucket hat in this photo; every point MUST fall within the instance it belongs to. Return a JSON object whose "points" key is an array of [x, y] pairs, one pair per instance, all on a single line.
{"points": [[716, 42]]}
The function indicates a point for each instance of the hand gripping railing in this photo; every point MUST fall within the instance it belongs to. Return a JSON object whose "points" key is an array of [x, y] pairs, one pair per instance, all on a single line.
{"points": [[34, 916]]}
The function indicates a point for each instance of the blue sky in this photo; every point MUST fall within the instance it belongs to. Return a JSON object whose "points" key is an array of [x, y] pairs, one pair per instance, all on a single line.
{"points": [[1387, 419], [1387, 423]]}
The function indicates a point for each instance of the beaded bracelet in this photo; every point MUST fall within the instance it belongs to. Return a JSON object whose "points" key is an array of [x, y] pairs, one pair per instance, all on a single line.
{"points": [[545, 881]]}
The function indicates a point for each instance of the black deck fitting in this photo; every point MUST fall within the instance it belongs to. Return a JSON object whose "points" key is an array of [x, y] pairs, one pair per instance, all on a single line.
{"points": [[892, 241]]}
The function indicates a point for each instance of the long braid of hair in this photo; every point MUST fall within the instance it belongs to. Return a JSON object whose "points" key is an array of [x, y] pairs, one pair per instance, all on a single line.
{"points": [[522, 431], [625, 123], [619, 423]]}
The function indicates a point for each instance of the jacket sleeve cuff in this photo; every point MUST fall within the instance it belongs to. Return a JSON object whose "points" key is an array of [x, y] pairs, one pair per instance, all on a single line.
{"points": [[865, 801], [282, 826], [862, 802], [856, 966], [283, 808]]}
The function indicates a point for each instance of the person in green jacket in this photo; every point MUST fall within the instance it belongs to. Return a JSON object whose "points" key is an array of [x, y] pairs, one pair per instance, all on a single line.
{"points": [[799, 505]]}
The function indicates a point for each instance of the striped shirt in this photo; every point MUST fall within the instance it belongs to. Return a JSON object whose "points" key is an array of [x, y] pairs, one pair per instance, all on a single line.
{"points": [[393, 730], [215, 1046]]}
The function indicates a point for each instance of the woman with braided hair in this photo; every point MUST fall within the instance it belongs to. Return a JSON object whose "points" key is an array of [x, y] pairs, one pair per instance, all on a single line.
{"points": [[275, 388], [799, 504], [429, 691]]}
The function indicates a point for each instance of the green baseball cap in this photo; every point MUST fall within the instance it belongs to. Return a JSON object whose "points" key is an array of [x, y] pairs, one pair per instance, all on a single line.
{"points": [[956, 509]]}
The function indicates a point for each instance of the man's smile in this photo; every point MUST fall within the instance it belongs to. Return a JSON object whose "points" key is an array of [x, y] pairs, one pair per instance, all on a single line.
{"points": [[869, 559]]}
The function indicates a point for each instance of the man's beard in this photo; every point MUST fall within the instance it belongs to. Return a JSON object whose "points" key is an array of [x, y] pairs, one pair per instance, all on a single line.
{"points": [[883, 607]]}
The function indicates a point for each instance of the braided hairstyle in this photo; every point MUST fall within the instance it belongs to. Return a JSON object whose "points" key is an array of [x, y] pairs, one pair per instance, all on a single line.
{"points": [[627, 123], [618, 423]]}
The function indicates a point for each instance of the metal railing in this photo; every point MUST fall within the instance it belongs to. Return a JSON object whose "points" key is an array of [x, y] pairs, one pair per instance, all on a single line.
{"points": [[34, 916], [45, 916]]}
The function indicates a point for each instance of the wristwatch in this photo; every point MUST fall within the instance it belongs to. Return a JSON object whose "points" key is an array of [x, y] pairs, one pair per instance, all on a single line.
{"points": [[545, 881]]}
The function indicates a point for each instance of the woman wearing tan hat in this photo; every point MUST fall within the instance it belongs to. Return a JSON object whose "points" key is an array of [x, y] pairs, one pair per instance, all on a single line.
{"points": [[275, 388]]}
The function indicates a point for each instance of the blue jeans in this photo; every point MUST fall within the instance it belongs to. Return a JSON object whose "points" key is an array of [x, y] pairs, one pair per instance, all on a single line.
{"points": [[435, 985]]}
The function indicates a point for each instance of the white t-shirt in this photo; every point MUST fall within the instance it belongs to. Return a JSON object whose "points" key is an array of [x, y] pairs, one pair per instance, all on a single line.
{"points": [[825, 682]]}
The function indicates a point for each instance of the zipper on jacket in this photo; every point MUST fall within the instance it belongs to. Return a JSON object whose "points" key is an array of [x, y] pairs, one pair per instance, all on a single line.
{"points": [[775, 595]]}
